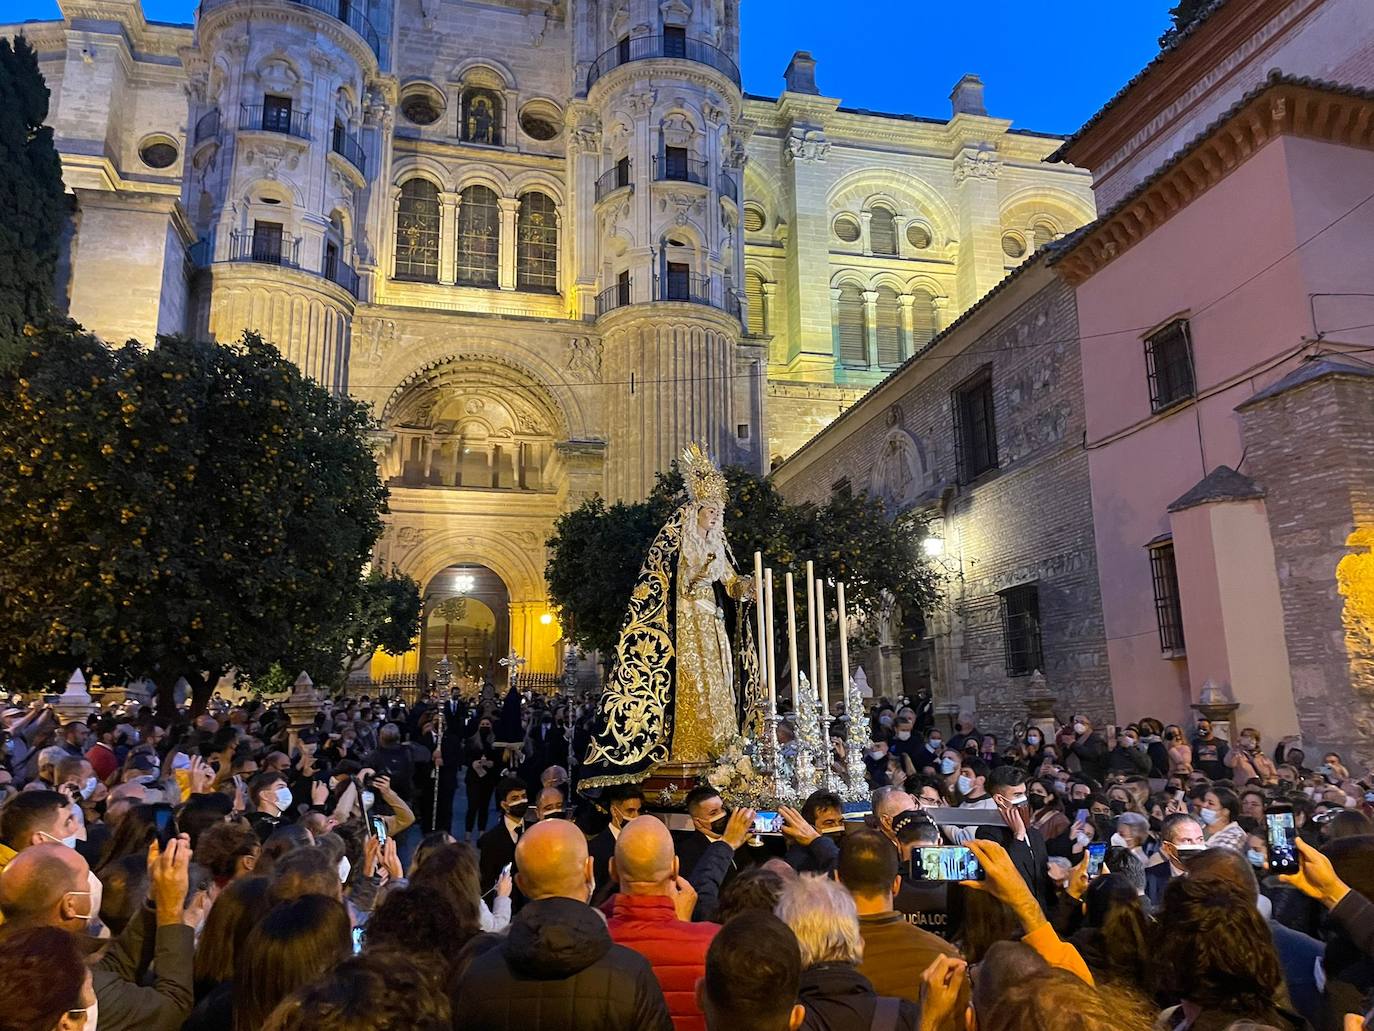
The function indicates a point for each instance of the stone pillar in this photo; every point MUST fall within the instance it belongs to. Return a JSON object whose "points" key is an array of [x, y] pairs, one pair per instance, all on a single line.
{"points": [[871, 326], [908, 302], [1215, 707], [303, 703], [1040, 707], [448, 236], [865, 231], [510, 210], [1229, 595], [981, 265], [770, 306]]}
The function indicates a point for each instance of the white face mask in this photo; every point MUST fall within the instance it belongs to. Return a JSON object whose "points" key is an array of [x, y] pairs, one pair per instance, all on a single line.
{"points": [[965, 784], [344, 867], [903, 735], [95, 891], [92, 1016], [948, 766], [282, 796], [1079, 728], [1017, 800], [69, 840], [1209, 816], [368, 799], [1033, 740], [1120, 842]]}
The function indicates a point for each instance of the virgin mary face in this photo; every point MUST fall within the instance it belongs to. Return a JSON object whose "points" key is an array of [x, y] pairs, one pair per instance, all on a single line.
{"points": [[709, 516]]}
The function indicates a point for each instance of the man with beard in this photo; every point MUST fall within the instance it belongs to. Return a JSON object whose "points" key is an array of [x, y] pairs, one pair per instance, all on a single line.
{"points": [[1025, 844]]}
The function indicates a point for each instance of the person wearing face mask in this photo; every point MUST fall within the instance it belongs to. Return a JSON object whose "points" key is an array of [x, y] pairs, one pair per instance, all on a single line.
{"points": [[1031, 748], [904, 742], [51, 885], [928, 755], [48, 986], [1209, 752], [1085, 748], [496, 847], [271, 799], [33, 818], [1218, 814], [1180, 837], [1047, 809], [1126, 755], [1024, 844], [557, 958], [715, 850], [1248, 761], [624, 802], [875, 759], [483, 761]]}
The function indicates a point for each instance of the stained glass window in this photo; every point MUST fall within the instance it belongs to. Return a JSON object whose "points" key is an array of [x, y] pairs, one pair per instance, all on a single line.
{"points": [[479, 237], [417, 231], [536, 256], [481, 116]]}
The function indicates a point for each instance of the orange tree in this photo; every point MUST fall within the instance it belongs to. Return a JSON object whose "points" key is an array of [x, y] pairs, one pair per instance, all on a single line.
{"points": [[181, 510]]}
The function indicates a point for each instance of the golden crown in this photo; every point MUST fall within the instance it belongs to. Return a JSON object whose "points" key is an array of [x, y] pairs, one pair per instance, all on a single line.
{"points": [[705, 483]]}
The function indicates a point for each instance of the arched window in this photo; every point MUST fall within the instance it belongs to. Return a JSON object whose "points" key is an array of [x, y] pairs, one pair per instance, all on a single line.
{"points": [[923, 324], [1043, 233], [480, 116], [479, 237], [753, 299], [882, 232], [536, 256], [417, 231], [853, 324], [889, 326]]}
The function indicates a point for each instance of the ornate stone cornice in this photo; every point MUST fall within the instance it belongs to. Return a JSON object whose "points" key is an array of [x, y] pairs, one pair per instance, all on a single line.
{"points": [[1284, 106], [283, 12]]}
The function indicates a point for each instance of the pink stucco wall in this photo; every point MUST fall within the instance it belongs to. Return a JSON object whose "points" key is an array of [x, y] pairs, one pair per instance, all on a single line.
{"points": [[1231, 260], [1331, 40]]}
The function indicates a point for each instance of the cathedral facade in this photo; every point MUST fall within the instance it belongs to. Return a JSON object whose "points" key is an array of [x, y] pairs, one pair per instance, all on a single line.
{"points": [[549, 242]]}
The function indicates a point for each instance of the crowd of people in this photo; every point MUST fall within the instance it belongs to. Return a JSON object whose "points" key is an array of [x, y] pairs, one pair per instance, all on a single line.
{"points": [[433, 867]]}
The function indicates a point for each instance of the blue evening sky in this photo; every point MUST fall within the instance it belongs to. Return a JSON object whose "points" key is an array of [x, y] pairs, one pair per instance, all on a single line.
{"points": [[1048, 64]]}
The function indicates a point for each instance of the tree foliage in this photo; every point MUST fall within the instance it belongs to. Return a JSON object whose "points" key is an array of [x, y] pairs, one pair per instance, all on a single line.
{"points": [[387, 616], [179, 511], [1183, 14], [33, 203], [596, 552]]}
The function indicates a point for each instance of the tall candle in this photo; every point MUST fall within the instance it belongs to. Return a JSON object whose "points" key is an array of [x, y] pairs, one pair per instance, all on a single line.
{"points": [[824, 689], [791, 631], [760, 640], [844, 648], [811, 624], [771, 650]]}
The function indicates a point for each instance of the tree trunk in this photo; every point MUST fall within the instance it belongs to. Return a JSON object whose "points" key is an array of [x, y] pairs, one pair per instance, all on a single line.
{"points": [[202, 686]]}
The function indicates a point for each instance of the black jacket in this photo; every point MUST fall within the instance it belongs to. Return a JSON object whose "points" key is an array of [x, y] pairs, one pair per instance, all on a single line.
{"points": [[558, 968], [839, 998], [494, 850]]}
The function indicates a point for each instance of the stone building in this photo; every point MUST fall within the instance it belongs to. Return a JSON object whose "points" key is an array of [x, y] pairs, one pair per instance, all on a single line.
{"points": [[982, 434], [548, 243]]}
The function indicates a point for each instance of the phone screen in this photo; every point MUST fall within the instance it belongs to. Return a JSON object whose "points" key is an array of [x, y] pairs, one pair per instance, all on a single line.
{"points": [[766, 822], [357, 940], [1283, 854], [1096, 853], [945, 863], [163, 825], [379, 830], [1081, 816]]}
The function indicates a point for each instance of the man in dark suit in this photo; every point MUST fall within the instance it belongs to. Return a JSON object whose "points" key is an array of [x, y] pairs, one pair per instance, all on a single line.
{"points": [[1180, 836], [625, 801], [1025, 844], [710, 821], [496, 847]]}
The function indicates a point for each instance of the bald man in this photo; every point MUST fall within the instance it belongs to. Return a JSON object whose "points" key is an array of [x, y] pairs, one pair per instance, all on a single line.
{"points": [[652, 914], [49, 885], [557, 966]]}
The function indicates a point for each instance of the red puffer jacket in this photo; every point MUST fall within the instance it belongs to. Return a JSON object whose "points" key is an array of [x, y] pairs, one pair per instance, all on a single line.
{"points": [[675, 949]]}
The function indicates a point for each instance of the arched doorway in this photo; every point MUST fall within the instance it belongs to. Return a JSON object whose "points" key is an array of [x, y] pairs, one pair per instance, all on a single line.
{"points": [[469, 606]]}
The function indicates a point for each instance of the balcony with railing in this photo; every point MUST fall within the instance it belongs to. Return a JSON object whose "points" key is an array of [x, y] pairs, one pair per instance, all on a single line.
{"points": [[644, 48], [349, 12], [272, 118], [336, 270], [729, 187], [616, 179], [669, 168], [207, 127], [617, 296], [265, 248], [348, 147], [692, 288]]}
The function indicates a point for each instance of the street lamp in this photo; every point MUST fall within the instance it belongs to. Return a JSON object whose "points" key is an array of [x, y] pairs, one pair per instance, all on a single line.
{"points": [[933, 546], [546, 618]]}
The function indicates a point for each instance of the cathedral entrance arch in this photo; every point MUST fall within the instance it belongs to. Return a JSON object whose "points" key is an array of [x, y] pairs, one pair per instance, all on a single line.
{"points": [[467, 612]]}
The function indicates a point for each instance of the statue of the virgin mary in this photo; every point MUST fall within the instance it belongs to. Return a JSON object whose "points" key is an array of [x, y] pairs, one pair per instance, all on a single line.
{"points": [[685, 675]]}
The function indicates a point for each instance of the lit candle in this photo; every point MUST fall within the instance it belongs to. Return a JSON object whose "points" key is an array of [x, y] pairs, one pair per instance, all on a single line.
{"points": [[761, 641], [791, 631]]}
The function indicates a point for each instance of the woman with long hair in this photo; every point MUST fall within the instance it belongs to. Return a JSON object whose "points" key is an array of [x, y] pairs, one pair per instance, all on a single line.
{"points": [[292, 945], [237, 909], [1219, 813], [1115, 937], [1047, 808], [1214, 957], [134, 832], [1179, 750], [452, 872], [47, 985]]}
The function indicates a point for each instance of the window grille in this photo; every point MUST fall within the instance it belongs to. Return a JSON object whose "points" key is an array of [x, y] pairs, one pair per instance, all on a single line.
{"points": [[1021, 630], [975, 427], [1168, 611], [1169, 364]]}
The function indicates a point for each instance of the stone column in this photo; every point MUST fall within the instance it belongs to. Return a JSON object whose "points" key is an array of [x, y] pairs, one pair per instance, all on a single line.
{"points": [[770, 294], [510, 209], [981, 265], [865, 229], [871, 326], [449, 203], [907, 301]]}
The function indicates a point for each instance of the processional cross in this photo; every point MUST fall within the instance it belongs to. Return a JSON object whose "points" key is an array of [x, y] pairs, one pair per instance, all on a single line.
{"points": [[513, 662]]}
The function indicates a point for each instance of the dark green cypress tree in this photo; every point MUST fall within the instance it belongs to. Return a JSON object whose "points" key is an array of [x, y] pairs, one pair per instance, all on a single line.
{"points": [[33, 203]]}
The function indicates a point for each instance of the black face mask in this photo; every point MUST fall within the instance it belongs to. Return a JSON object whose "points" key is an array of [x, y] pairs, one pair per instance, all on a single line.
{"points": [[517, 810], [1037, 802], [718, 824], [1117, 806]]}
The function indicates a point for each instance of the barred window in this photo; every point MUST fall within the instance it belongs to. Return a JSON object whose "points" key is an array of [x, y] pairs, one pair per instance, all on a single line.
{"points": [[536, 257], [853, 322], [753, 299], [417, 231], [479, 237], [889, 326], [975, 429], [1169, 364], [1021, 629], [882, 232], [1168, 611]]}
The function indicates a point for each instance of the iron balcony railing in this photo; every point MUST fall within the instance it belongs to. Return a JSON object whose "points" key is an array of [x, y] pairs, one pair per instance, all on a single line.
{"points": [[728, 187], [681, 170], [617, 296], [267, 248], [617, 178], [347, 11], [336, 270], [643, 48], [207, 126], [266, 118], [348, 147], [692, 288]]}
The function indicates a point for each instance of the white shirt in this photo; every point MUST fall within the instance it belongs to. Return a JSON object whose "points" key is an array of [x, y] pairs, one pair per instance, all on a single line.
{"points": [[512, 826]]}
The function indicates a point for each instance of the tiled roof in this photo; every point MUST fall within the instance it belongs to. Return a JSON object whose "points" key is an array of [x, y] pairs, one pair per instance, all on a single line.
{"points": [[1163, 55], [1222, 484], [1308, 371]]}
